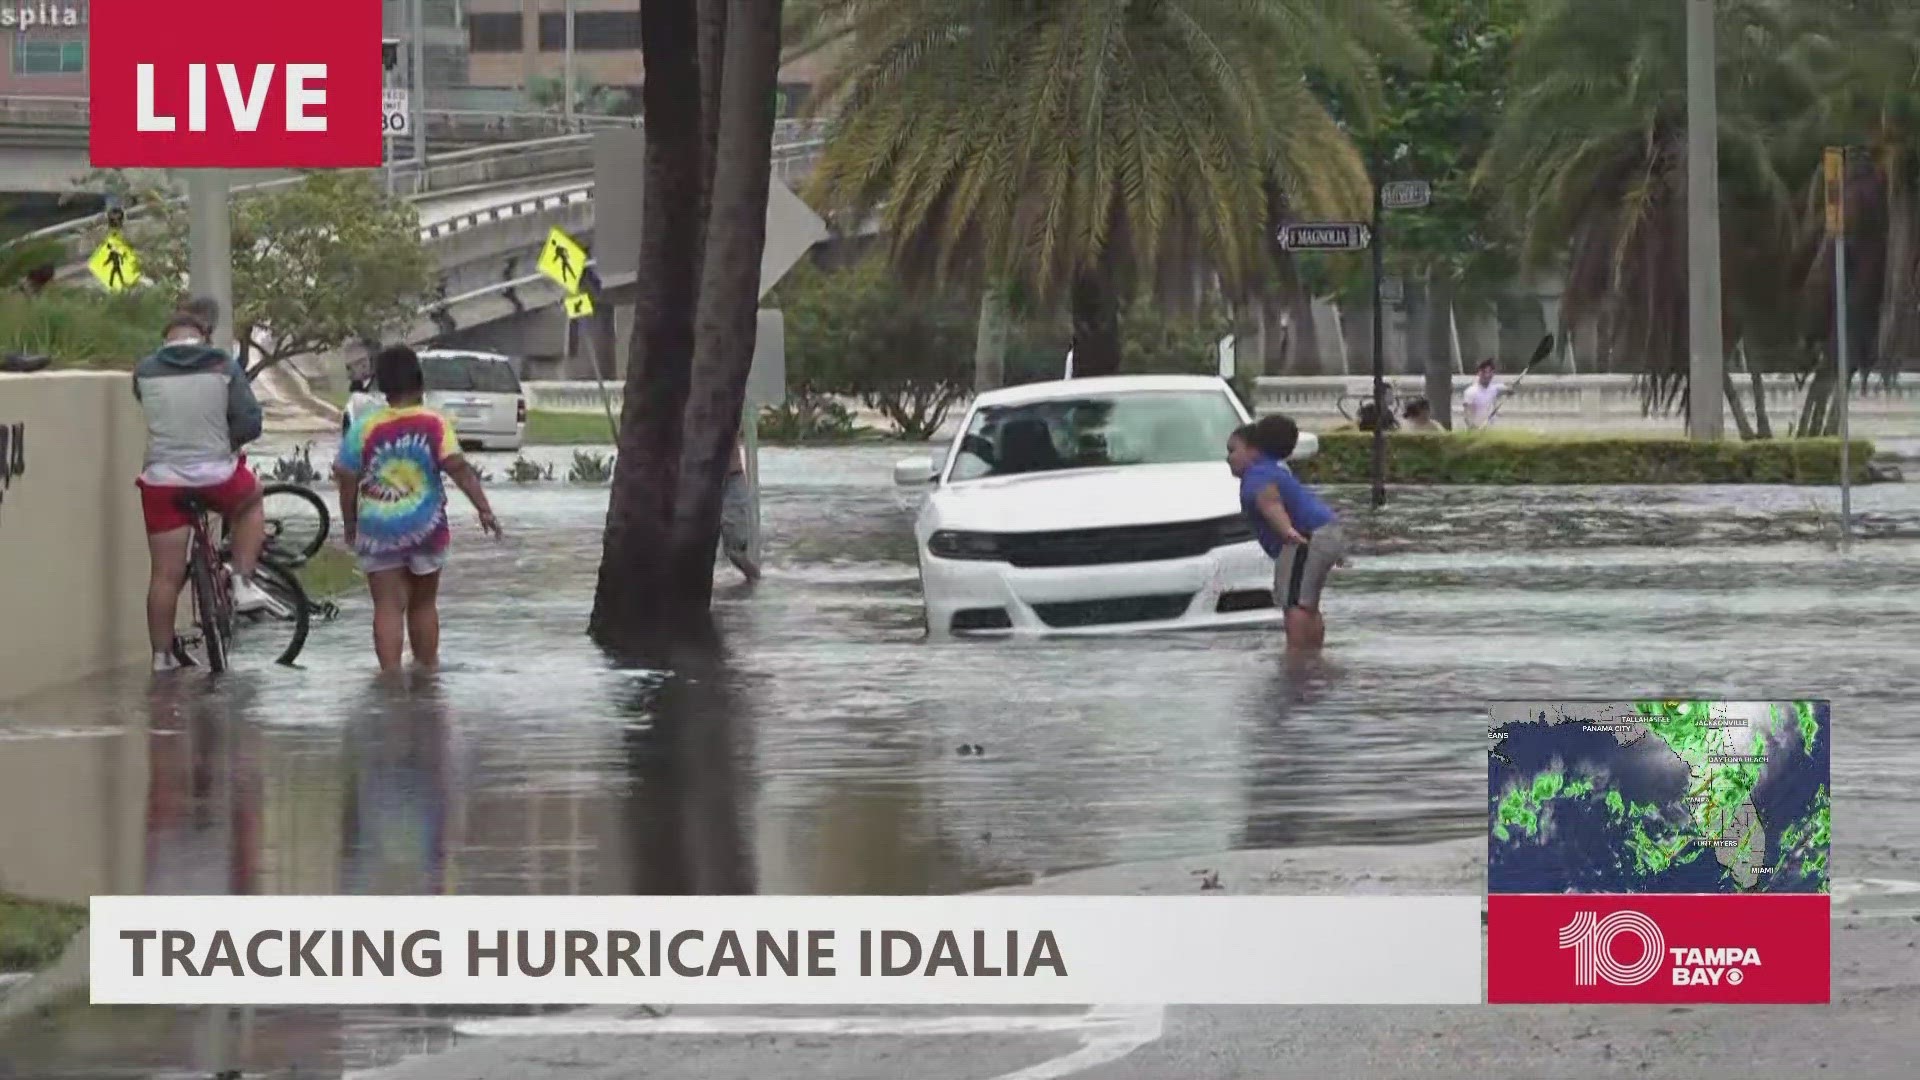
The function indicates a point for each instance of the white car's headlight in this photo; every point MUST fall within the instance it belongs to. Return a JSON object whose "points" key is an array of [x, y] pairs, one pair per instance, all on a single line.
{"points": [[977, 546]]}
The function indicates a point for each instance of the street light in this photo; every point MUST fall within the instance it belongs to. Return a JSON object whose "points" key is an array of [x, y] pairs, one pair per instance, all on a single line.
{"points": [[1706, 419], [566, 73]]}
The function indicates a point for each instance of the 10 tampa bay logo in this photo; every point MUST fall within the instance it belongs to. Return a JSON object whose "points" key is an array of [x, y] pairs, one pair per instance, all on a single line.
{"points": [[1591, 938]]}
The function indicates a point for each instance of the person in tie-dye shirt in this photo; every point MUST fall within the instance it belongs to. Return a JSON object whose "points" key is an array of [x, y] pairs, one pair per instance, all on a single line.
{"points": [[393, 507]]}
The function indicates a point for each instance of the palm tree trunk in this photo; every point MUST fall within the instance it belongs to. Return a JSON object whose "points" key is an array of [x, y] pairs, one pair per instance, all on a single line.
{"points": [[729, 298], [1439, 349], [634, 553], [1899, 330], [1096, 322], [990, 340]]}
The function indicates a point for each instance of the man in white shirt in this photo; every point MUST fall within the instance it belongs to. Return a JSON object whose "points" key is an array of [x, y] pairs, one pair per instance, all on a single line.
{"points": [[1482, 397]]}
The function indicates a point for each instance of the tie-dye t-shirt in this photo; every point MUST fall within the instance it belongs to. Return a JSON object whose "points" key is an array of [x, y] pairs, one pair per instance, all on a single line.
{"points": [[398, 454]]}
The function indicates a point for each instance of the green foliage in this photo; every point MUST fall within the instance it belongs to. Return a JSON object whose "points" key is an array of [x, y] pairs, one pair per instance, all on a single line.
{"points": [[1346, 457], [1034, 143], [859, 332], [315, 265], [589, 99], [807, 418], [34, 933], [81, 328], [295, 468], [525, 470], [548, 428], [590, 468]]}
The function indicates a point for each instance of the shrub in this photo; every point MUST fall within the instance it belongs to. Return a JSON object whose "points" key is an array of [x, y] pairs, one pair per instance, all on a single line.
{"points": [[82, 328], [590, 468], [1346, 457], [527, 471], [807, 418]]}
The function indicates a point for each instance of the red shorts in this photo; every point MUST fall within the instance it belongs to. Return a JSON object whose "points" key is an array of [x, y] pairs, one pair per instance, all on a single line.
{"points": [[161, 504]]}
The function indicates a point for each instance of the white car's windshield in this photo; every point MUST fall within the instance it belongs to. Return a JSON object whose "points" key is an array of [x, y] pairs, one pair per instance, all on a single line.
{"points": [[1161, 427], [470, 374]]}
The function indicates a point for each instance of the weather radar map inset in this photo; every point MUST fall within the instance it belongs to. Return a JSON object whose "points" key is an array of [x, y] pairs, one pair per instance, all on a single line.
{"points": [[1658, 797]]}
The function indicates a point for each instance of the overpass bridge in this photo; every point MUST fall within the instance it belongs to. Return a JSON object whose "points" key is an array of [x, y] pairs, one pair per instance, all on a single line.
{"points": [[43, 140]]}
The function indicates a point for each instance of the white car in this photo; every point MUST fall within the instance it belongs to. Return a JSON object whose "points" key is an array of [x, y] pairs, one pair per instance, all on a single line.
{"points": [[1091, 506], [481, 394]]}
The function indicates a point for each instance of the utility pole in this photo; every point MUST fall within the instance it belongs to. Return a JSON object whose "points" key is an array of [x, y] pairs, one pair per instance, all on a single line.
{"points": [[1836, 169], [1380, 413], [1706, 416], [566, 73], [416, 65], [210, 245]]}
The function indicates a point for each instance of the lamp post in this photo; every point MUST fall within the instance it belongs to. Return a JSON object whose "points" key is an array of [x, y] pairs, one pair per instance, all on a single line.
{"points": [[566, 73], [1706, 417], [417, 79], [210, 245]]}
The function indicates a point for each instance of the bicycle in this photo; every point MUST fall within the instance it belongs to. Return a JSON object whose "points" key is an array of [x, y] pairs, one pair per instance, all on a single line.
{"points": [[297, 524], [212, 597]]}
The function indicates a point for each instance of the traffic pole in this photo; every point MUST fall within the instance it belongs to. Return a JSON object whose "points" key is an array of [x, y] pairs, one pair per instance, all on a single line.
{"points": [[416, 69], [1836, 163], [1379, 345], [210, 245], [566, 76]]}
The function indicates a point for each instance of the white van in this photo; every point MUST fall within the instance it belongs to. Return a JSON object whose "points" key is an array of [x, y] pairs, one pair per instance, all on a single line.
{"points": [[481, 394]]}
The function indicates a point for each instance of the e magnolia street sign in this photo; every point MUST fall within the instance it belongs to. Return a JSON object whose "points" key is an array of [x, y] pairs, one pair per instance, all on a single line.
{"points": [[1327, 236]]}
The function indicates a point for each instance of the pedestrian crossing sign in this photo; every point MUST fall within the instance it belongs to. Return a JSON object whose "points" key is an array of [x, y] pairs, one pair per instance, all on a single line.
{"points": [[115, 264], [563, 260], [579, 305]]}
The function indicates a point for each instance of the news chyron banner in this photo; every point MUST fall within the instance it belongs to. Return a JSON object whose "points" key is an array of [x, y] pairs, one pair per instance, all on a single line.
{"points": [[787, 950], [1671, 852]]}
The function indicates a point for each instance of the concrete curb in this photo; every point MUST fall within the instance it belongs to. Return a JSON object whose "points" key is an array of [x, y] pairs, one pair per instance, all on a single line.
{"points": [[63, 978]]}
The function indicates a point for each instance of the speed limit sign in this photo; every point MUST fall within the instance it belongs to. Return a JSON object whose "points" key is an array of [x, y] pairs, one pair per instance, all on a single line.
{"points": [[397, 119]]}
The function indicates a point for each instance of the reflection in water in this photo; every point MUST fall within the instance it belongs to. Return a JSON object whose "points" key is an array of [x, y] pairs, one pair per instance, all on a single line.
{"points": [[398, 808], [204, 792], [686, 763]]}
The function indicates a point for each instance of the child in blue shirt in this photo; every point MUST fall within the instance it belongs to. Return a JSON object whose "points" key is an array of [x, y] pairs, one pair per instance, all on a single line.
{"points": [[1294, 526]]}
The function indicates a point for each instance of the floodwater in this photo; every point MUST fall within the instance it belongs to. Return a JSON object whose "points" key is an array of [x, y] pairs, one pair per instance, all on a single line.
{"points": [[820, 755]]}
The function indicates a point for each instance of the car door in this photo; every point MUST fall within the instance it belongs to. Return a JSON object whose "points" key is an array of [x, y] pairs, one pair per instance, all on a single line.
{"points": [[498, 390]]}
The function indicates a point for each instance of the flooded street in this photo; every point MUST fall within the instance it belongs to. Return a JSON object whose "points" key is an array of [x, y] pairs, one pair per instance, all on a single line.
{"points": [[820, 756]]}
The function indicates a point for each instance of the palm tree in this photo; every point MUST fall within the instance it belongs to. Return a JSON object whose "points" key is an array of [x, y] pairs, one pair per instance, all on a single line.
{"points": [[1591, 159], [1086, 150], [1865, 58]]}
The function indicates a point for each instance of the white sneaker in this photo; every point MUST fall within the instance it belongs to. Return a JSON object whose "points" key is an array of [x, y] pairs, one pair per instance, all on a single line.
{"points": [[165, 661], [246, 595]]}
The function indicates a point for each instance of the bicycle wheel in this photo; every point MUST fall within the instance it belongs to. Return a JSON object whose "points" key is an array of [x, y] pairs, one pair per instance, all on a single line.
{"points": [[297, 524], [288, 610], [207, 615]]}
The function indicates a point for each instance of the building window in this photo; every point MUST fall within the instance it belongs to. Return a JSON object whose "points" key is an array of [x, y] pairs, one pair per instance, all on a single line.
{"points": [[593, 31], [33, 56], [489, 33]]}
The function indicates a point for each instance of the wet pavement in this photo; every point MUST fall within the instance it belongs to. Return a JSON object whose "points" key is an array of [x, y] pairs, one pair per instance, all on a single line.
{"points": [[820, 756]]}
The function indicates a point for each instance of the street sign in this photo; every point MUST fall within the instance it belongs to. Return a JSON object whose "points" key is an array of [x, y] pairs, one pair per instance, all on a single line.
{"points": [[396, 118], [579, 305], [1406, 194], [1836, 168], [563, 260], [115, 264], [1327, 236]]}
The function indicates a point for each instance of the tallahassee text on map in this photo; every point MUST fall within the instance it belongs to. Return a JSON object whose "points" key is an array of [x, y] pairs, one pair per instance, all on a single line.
{"points": [[1664, 796]]}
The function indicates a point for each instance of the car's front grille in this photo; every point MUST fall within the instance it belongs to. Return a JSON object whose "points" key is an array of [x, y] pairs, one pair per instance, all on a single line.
{"points": [[1119, 609], [1101, 547]]}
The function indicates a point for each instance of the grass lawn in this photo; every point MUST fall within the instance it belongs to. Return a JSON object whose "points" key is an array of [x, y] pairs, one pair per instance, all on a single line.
{"points": [[329, 573], [567, 429], [33, 934]]}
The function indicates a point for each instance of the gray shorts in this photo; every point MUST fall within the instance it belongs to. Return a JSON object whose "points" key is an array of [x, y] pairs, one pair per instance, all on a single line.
{"points": [[1300, 571], [736, 517], [419, 564]]}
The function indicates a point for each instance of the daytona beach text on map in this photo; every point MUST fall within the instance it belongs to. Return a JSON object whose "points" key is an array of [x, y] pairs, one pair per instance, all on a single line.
{"points": [[1658, 796]]}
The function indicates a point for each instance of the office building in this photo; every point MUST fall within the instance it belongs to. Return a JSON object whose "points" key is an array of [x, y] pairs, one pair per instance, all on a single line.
{"points": [[46, 45]]}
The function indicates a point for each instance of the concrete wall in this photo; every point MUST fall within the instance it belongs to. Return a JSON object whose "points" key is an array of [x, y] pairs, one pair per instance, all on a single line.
{"points": [[73, 815], [73, 588]]}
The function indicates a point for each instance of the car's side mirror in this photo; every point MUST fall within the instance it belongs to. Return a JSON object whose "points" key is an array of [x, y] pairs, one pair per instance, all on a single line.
{"points": [[913, 472]]}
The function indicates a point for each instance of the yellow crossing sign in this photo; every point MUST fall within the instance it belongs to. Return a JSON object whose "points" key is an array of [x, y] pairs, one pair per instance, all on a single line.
{"points": [[579, 305], [115, 264], [563, 260]]}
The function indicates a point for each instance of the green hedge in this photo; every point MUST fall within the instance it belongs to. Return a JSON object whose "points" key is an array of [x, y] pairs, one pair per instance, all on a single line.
{"points": [[82, 328], [1346, 457]]}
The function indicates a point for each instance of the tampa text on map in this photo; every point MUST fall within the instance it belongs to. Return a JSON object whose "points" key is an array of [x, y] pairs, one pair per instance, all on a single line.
{"points": [[1658, 796]]}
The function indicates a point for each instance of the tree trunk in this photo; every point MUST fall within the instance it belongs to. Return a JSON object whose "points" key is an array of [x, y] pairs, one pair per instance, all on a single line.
{"points": [[1899, 330], [634, 558], [729, 296], [1096, 323], [1734, 406], [1439, 349], [990, 340], [1763, 425]]}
